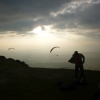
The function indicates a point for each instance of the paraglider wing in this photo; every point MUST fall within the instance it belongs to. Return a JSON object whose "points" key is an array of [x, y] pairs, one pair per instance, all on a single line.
{"points": [[54, 48], [71, 60], [11, 48]]}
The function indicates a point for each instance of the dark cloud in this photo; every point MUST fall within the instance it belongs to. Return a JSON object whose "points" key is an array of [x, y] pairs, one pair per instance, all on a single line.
{"points": [[13, 13], [65, 21], [23, 16], [32, 8], [90, 16], [82, 19], [22, 25]]}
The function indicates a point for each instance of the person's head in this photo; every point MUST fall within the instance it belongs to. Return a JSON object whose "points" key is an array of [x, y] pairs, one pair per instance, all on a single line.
{"points": [[76, 52]]}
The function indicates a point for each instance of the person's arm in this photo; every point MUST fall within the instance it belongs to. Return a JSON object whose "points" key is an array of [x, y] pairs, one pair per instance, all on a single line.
{"points": [[83, 58]]}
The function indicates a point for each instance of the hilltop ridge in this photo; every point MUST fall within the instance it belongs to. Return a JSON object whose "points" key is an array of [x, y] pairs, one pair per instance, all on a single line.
{"points": [[11, 63]]}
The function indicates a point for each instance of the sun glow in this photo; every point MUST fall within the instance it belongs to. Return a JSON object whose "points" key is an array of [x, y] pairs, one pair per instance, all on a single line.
{"points": [[37, 30], [43, 32]]}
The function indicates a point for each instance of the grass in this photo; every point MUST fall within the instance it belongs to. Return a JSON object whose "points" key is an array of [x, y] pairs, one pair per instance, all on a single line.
{"points": [[19, 83]]}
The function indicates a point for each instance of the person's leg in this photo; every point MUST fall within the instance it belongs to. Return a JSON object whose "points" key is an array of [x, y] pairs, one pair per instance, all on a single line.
{"points": [[76, 71], [82, 71]]}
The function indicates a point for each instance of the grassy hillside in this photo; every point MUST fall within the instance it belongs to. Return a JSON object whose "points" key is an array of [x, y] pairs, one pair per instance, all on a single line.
{"points": [[20, 82]]}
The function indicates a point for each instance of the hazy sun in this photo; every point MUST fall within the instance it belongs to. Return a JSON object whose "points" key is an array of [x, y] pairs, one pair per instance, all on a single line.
{"points": [[37, 30], [42, 32]]}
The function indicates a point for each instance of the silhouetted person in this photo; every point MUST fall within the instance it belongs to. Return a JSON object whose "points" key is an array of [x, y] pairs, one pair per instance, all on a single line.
{"points": [[79, 60]]}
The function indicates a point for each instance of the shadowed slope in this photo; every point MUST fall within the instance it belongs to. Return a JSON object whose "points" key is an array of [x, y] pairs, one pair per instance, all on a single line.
{"points": [[11, 63], [20, 82]]}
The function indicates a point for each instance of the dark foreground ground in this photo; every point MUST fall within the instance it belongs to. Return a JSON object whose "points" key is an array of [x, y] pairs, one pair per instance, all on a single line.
{"points": [[41, 84], [19, 82]]}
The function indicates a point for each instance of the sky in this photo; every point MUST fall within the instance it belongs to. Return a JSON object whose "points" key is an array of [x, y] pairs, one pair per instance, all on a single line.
{"points": [[33, 27]]}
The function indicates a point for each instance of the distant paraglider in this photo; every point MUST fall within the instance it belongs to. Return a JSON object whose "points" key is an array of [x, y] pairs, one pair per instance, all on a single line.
{"points": [[11, 48], [54, 48]]}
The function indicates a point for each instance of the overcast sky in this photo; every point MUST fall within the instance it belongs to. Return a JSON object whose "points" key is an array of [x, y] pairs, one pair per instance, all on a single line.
{"points": [[33, 27]]}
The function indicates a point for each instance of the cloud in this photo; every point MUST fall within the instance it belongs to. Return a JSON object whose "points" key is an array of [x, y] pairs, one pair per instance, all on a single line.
{"points": [[90, 16], [82, 17], [75, 16], [21, 15], [12, 9]]}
